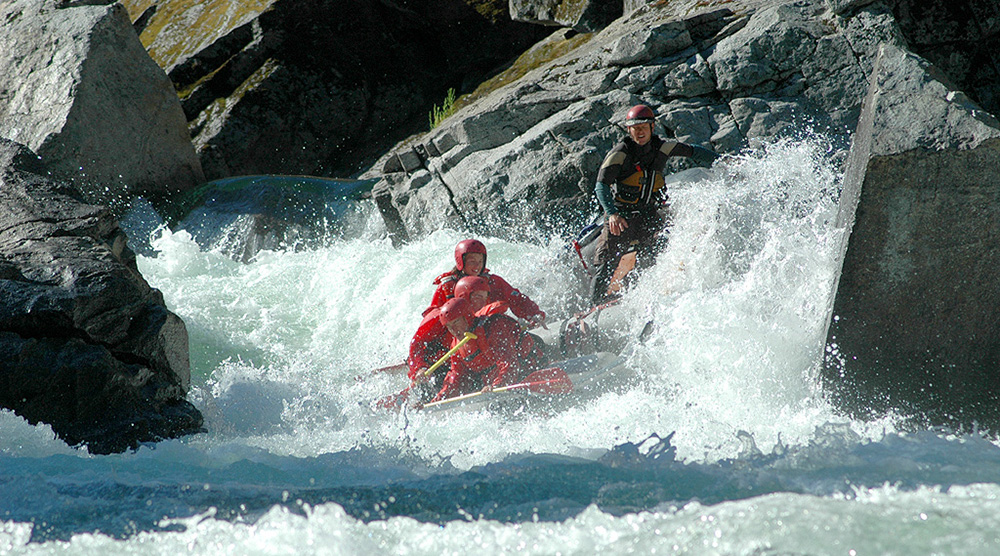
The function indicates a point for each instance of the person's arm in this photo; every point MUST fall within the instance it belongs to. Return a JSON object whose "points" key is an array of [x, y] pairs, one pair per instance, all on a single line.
{"points": [[521, 305], [513, 354], [426, 346], [605, 198], [703, 156], [616, 222], [697, 153], [444, 292], [449, 387]]}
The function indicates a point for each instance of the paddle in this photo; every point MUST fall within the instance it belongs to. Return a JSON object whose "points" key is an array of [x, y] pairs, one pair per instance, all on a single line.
{"points": [[390, 368], [434, 367], [393, 400], [546, 381]]}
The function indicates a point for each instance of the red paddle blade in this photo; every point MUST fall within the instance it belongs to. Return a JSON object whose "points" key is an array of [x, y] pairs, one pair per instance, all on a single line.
{"points": [[394, 401], [549, 381]]}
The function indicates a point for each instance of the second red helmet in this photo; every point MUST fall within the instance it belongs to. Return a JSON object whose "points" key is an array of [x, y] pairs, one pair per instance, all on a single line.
{"points": [[465, 247], [638, 114], [469, 284], [454, 308]]}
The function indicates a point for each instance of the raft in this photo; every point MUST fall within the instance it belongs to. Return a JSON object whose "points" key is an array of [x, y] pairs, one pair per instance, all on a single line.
{"points": [[590, 377]]}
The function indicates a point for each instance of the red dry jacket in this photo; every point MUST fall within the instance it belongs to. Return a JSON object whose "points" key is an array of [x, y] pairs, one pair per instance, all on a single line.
{"points": [[521, 305], [501, 354], [429, 343]]}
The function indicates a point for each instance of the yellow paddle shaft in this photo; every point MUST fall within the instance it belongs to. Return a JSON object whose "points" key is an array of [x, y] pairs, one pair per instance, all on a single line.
{"points": [[434, 367]]}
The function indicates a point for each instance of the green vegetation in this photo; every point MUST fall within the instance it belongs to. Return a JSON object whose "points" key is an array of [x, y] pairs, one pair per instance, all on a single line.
{"points": [[437, 115], [180, 27], [493, 10], [537, 56]]}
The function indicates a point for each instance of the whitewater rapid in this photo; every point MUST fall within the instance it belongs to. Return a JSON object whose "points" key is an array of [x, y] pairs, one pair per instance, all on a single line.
{"points": [[724, 443], [740, 301]]}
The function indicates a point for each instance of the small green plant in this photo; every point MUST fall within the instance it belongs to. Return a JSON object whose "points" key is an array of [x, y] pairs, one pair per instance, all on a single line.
{"points": [[437, 115]]}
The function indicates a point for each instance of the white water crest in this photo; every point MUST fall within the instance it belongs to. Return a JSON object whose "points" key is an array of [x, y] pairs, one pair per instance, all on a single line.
{"points": [[723, 443]]}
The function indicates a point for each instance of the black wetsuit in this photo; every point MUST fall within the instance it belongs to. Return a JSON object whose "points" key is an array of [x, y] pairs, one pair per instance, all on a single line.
{"points": [[630, 184]]}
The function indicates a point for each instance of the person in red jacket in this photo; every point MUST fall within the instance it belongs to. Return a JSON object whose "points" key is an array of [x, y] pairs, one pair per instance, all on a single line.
{"points": [[500, 354], [431, 340], [477, 290], [470, 260], [429, 343]]}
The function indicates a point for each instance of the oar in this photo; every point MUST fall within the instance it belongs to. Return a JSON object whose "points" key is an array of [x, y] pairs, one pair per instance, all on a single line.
{"points": [[393, 400], [390, 369], [434, 367], [546, 381]]}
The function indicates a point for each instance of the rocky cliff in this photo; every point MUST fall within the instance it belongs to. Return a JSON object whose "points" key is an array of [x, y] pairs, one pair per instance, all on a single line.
{"points": [[726, 75], [320, 87], [723, 75]]}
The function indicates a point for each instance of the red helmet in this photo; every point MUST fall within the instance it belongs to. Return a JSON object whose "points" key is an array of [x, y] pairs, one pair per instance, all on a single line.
{"points": [[465, 247], [469, 284], [639, 114], [454, 308]]}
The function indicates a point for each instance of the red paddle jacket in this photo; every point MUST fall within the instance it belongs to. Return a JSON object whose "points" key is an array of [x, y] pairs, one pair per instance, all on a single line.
{"points": [[521, 305], [501, 354], [431, 340], [429, 343]]}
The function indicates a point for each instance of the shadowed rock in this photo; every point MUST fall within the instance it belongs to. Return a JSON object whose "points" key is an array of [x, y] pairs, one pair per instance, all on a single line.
{"points": [[915, 322], [86, 345], [322, 87]]}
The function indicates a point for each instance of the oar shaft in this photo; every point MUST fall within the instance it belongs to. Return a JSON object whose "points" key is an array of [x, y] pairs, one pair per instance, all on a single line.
{"points": [[434, 367]]}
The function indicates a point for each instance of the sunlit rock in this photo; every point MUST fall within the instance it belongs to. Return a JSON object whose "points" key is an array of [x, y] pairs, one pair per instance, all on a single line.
{"points": [[525, 149], [80, 90], [581, 15]]}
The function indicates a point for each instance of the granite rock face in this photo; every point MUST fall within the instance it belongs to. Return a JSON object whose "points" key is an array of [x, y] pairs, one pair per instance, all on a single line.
{"points": [[725, 78], [86, 345], [915, 315], [80, 90]]}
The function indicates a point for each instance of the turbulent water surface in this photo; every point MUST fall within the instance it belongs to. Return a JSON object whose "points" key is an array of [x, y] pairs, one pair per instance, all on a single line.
{"points": [[722, 444]]}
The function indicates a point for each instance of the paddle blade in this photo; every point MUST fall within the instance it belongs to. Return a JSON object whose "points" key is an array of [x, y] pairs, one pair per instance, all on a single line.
{"points": [[394, 401], [391, 368]]}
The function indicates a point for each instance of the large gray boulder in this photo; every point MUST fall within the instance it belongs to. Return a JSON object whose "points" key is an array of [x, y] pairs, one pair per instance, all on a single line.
{"points": [[77, 87], [724, 78], [915, 322], [86, 345]]}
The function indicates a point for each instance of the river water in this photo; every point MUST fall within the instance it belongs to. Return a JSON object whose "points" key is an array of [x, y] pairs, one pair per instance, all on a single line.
{"points": [[722, 444]]}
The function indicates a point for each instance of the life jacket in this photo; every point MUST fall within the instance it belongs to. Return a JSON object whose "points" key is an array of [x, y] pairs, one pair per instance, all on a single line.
{"points": [[640, 180], [492, 308]]}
